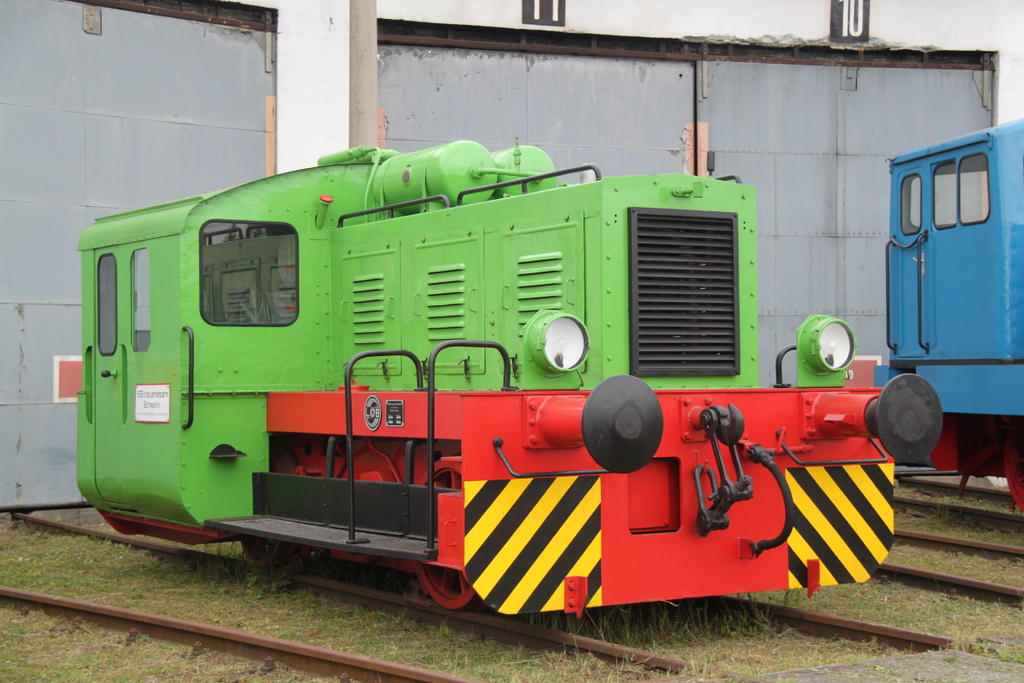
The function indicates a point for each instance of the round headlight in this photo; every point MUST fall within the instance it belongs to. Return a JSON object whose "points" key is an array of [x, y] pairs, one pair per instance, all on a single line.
{"points": [[826, 344], [556, 342], [835, 345]]}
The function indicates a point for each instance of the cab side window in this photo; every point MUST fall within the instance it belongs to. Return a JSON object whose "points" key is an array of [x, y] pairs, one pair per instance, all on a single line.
{"points": [[961, 191], [249, 273], [974, 203]]}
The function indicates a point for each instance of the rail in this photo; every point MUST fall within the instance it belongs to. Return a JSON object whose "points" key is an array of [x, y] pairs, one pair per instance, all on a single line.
{"points": [[390, 208], [317, 660], [431, 395], [524, 182], [349, 468]]}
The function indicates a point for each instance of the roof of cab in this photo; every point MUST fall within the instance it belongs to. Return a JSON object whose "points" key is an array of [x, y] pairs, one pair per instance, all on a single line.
{"points": [[140, 224], [986, 134]]}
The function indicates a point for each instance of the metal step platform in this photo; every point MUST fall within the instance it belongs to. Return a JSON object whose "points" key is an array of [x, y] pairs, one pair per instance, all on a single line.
{"points": [[367, 543]]}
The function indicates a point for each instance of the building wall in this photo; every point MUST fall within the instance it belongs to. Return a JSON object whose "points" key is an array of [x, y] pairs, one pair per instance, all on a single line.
{"points": [[312, 79], [986, 25]]}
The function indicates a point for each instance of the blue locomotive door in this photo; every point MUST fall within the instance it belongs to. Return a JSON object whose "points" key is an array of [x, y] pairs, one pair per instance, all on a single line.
{"points": [[906, 259], [941, 252]]}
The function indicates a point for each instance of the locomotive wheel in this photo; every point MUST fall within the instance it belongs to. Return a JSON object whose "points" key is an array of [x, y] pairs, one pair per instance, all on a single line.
{"points": [[282, 459], [448, 587], [1013, 461], [264, 552]]}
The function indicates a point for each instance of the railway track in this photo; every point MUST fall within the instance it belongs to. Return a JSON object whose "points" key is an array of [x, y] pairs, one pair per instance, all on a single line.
{"points": [[299, 656], [931, 580], [828, 626], [515, 632], [951, 489], [499, 628], [995, 520], [992, 551]]}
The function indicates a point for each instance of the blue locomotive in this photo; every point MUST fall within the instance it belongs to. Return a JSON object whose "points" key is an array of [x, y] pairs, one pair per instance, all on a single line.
{"points": [[955, 288]]}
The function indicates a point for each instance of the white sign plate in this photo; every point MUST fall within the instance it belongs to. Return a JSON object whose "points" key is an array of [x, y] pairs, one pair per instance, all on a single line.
{"points": [[153, 403]]}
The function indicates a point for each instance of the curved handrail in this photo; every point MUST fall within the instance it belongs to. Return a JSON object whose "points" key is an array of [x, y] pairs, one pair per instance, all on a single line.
{"points": [[531, 179], [349, 368], [390, 208], [431, 391], [921, 238], [191, 377]]}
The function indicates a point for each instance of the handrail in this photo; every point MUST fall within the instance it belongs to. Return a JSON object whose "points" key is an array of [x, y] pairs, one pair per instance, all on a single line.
{"points": [[350, 470], [191, 376], [431, 391], [881, 460], [926, 346], [498, 442], [778, 367], [390, 208], [525, 181]]}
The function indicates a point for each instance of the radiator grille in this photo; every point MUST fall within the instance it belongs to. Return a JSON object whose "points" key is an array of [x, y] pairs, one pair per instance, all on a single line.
{"points": [[684, 293]]}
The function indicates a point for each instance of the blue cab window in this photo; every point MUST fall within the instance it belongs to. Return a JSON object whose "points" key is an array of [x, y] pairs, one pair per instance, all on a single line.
{"points": [[944, 195], [910, 205], [974, 201]]}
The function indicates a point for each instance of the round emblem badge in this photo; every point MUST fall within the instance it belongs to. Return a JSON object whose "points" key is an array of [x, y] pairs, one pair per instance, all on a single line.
{"points": [[372, 413]]}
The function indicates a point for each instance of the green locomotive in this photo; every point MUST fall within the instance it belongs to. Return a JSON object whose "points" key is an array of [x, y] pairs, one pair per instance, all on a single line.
{"points": [[253, 369]]}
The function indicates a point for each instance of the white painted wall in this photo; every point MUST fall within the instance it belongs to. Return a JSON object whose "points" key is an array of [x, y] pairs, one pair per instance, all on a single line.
{"points": [[988, 25], [312, 79]]}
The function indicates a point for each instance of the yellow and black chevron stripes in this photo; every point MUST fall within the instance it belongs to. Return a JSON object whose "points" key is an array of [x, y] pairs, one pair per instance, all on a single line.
{"points": [[525, 536], [844, 519]]}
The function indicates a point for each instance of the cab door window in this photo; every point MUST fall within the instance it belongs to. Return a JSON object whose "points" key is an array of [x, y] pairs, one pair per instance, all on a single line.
{"points": [[140, 300], [944, 199], [910, 205], [106, 304]]}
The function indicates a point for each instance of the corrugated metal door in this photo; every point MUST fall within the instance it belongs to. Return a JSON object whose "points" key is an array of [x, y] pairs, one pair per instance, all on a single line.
{"points": [[628, 116], [815, 140], [149, 109]]}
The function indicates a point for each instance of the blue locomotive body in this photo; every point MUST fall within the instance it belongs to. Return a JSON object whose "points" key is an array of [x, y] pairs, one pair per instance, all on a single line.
{"points": [[955, 288]]}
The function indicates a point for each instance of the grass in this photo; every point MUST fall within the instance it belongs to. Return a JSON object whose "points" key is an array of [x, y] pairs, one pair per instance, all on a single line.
{"points": [[258, 601]]}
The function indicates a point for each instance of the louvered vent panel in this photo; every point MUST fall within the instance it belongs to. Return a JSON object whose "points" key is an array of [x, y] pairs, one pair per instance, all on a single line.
{"points": [[368, 308], [446, 302], [684, 293], [539, 284]]}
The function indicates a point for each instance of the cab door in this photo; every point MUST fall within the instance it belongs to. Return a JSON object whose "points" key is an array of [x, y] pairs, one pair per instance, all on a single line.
{"points": [[906, 266], [132, 389], [110, 373]]}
